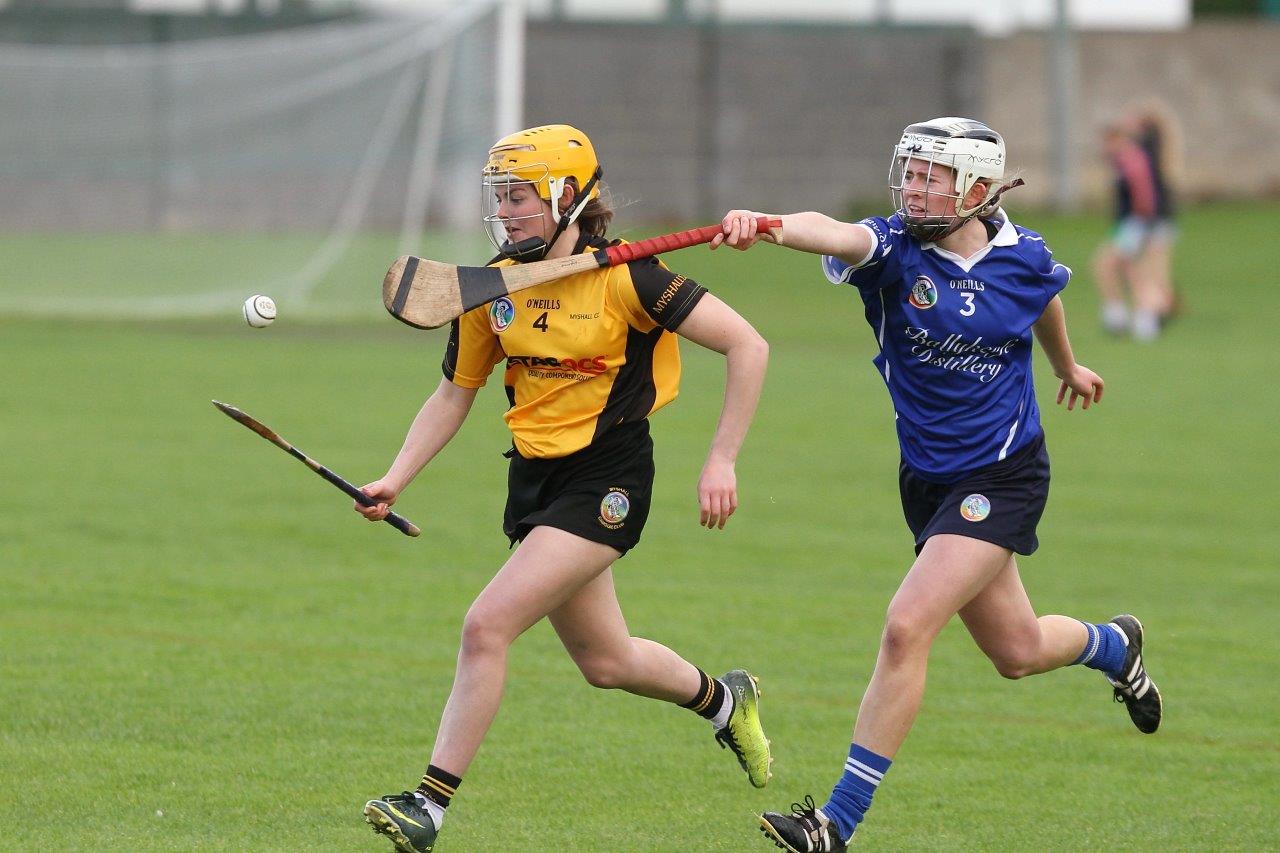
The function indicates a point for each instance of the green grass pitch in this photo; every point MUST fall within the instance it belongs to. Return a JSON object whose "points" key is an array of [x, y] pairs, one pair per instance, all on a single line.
{"points": [[201, 646]]}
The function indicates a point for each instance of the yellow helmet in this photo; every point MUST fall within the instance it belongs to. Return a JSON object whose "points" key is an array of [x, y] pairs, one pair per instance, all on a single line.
{"points": [[545, 157]]}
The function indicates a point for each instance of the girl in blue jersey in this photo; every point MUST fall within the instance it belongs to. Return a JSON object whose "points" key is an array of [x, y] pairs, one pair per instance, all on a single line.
{"points": [[953, 292]]}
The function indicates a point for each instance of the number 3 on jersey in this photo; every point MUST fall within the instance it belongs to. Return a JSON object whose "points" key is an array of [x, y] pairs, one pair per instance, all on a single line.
{"points": [[541, 322], [966, 311]]}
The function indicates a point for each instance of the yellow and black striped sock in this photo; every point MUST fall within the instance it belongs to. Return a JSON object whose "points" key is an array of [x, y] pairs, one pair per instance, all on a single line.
{"points": [[439, 786], [710, 697]]}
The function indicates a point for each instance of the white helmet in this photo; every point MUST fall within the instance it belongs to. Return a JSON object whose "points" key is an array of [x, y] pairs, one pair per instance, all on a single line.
{"points": [[970, 149]]}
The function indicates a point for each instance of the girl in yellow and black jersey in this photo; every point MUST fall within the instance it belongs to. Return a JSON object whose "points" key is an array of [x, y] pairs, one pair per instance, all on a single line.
{"points": [[586, 360], [583, 354]]}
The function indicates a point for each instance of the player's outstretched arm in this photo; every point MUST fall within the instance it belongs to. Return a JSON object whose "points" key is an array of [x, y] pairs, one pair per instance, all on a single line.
{"points": [[435, 424], [807, 232], [718, 327], [1051, 332]]}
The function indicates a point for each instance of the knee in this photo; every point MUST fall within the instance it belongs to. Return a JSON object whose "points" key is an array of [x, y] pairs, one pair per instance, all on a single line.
{"points": [[1014, 669], [483, 633], [905, 636], [1015, 663], [605, 673]]}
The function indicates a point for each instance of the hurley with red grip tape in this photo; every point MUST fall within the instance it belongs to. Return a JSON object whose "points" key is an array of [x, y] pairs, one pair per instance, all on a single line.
{"points": [[627, 252], [427, 294]]}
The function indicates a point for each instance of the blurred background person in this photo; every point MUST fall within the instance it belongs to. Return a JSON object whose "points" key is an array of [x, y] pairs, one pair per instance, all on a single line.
{"points": [[1134, 266], [1156, 130], [1131, 300]]}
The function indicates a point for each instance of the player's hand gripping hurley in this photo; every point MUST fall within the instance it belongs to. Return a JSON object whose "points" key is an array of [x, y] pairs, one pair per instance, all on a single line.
{"points": [[428, 294], [399, 522]]}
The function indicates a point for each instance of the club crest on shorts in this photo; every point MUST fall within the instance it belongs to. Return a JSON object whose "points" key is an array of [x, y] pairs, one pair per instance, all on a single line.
{"points": [[501, 313], [923, 293], [614, 508], [975, 508]]}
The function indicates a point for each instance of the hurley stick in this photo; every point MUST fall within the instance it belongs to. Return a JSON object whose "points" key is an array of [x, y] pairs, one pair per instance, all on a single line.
{"points": [[399, 522], [428, 294]]}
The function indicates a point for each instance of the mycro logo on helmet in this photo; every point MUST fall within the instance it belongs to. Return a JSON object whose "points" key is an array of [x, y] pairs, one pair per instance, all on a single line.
{"points": [[501, 314], [923, 294], [592, 365]]}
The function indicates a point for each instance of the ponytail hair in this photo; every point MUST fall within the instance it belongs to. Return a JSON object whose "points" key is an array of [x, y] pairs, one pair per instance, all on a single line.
{"points": [[597, 213]]}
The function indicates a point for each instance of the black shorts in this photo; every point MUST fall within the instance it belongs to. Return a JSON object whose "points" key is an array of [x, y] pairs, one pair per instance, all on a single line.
{"points": [[999, 503], [601, 492]]}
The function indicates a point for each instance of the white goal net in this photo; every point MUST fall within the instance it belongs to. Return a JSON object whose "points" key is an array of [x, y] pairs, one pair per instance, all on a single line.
{"points": [[175, 179]]}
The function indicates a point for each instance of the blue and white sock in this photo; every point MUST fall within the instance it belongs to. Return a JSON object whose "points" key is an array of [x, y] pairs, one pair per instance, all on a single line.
{"points": [[851, 796], [1104, 649]]}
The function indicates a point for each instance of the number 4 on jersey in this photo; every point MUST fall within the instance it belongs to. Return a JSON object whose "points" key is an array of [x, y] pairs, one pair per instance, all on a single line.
{"points": [[541, 322]]}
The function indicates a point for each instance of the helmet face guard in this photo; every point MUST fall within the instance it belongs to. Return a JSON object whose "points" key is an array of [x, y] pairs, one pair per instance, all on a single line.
{"points": [[497, 187], [935, 165], [929, 185]]}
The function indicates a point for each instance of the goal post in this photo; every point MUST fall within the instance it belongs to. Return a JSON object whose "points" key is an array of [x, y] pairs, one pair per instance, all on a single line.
{"points": [[172, 180]]}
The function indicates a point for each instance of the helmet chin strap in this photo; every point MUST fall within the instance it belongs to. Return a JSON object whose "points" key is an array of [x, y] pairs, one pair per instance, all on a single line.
{"points": [[992, 199], [986, 206], [535, 248], [532, 249]]}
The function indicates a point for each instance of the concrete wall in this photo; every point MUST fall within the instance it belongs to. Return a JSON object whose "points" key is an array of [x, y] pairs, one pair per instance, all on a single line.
{"points": [[804, 117], [1222, 79], [48, 24], [689, 121]]}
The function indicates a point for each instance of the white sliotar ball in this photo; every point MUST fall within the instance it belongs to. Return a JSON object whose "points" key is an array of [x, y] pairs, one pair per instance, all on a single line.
{"points": [[259, 311]]}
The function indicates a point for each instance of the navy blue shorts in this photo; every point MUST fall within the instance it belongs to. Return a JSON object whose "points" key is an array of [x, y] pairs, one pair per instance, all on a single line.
{"points": [[601, 492], [999, 503]]}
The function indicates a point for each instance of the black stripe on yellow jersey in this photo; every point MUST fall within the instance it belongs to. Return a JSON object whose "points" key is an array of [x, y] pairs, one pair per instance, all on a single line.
{"points": [[583, 353]]}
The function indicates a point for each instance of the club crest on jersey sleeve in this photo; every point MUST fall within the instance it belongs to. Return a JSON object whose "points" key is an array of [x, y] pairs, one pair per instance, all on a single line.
{"points": [[502, 313], [924, 293]]}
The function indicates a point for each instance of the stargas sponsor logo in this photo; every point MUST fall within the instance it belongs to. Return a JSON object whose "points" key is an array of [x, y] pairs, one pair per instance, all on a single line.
{"points": [[587, 364]]}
